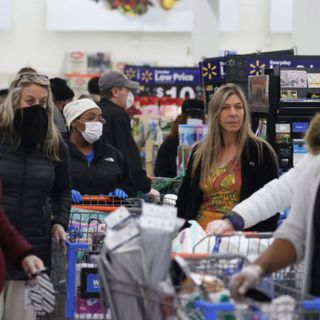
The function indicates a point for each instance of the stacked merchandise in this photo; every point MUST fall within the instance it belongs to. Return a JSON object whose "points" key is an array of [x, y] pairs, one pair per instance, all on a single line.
{"points": [[152, 118], [189, 135]]}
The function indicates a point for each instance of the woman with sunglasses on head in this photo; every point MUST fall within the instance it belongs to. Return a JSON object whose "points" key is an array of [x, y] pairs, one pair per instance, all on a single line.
{"points": [[34, 169], [97, 168], [228, 166]]}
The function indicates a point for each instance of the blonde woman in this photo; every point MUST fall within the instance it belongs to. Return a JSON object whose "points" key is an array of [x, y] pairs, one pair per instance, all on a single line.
{"points": [[33, 167], [228, 166]]}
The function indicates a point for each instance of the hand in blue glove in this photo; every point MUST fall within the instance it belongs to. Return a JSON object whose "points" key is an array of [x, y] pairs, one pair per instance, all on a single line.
{"points": [[76, 196], [118, 193]]}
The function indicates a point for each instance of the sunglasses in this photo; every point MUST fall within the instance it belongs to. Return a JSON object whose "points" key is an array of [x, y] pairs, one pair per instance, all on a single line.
{"points": [[32, 77]]}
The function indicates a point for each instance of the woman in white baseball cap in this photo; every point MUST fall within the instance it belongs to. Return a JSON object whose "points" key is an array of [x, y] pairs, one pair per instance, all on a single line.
{"points": [[96, 167]]}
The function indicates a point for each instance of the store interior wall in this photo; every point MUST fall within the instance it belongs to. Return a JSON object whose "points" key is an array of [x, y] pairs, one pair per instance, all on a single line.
{"points": [[30, 43], [306, 26], [254, 30]]}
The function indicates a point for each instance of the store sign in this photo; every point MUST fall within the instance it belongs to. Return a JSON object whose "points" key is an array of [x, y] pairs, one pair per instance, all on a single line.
{"points": [[172, 82], [89, 283], [93, 283], [239, 67], [212, 70], [255, 66], [300, 126]]}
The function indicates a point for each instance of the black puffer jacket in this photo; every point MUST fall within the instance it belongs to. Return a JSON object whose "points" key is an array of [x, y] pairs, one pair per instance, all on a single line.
{"points": [[28, 180], [117, 132], [255, 173], [108, 171]]}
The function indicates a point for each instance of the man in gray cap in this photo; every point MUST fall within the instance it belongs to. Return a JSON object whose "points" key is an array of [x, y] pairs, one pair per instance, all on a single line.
{"points": [[116, 97]]}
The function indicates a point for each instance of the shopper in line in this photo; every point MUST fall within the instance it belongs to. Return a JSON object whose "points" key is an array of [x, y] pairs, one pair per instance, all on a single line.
{"points": [[229, 165], [116, 96], [276, 195], [34, 168], [14, 250], [96, 167], [93, 89], [62, 94], [166, 161], [298, 237]]}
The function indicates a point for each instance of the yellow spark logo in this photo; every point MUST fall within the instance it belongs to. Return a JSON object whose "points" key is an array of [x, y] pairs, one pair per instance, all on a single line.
{"points": [[131, 73], [209, 71], [257, 68], [146, 76]]}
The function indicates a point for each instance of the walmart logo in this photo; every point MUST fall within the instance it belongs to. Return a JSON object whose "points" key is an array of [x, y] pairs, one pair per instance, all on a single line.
{"points": [[131, 73], [146, 76], [209, 71], [257, 68]]}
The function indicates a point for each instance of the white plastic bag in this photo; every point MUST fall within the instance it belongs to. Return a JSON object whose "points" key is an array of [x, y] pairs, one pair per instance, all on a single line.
{"points": [[189, 237]]}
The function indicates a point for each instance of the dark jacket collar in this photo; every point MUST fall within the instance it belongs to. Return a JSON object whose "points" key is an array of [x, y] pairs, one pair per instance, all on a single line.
{"points": [[98, 148]]}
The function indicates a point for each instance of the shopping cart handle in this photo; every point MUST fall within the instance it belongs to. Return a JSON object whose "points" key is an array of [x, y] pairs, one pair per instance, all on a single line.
{"points": [[311, 304], [95, 198], [76, 245], [247, 234], [190, 255]]}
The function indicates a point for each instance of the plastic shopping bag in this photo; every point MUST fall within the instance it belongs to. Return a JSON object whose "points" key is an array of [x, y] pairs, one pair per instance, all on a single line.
{"points": [[187, 241]]}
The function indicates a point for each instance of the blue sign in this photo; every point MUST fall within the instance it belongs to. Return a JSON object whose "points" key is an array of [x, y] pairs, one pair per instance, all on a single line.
{"points": [[213, 69], [162, 75], [299, 149], [256, 65], [93, 283], [300, 126]]}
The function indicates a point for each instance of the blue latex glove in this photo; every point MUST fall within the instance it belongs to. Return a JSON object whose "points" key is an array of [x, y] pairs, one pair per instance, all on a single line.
{"points": [[76, 196], [118, 193]]}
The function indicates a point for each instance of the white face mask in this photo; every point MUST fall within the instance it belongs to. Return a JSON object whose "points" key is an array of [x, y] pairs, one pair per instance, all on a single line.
{"points": [[93, 131], [130, 100]]}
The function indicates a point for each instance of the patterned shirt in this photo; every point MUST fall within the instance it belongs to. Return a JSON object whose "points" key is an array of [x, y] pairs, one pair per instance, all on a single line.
{"points": [[221, 192]]}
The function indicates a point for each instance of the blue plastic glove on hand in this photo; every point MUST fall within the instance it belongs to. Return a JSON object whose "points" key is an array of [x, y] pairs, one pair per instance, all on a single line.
{"points": [[76, 196], [118, 193]]}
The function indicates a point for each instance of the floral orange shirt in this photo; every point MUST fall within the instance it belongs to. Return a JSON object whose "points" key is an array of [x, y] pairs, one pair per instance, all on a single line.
{"points": [[221, 192]]}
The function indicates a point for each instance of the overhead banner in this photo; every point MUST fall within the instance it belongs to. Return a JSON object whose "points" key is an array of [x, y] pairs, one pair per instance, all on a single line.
{"points": [[174, 82], [239, 67]]}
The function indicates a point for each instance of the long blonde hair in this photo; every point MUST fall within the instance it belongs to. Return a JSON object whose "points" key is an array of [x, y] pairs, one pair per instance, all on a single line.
{"points": [[50, 147], [312, 136], [209, 151]]}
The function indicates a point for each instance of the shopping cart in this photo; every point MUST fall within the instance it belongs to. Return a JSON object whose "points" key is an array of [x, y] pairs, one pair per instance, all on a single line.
{"points": [[86, 232], [211, 275], [166, 185], [251, 245]]}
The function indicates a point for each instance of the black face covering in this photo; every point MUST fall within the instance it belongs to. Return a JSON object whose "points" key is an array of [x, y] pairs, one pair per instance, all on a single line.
{"points": [[32, 124]]}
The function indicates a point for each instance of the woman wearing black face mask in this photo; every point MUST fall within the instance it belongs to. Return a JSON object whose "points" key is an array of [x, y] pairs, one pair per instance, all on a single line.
{"points": [[35, 174], [96, 167]]}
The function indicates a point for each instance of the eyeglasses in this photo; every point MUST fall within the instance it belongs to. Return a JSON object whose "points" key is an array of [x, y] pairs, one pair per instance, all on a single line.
{"points": [[99, 119], [32, 77]]}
